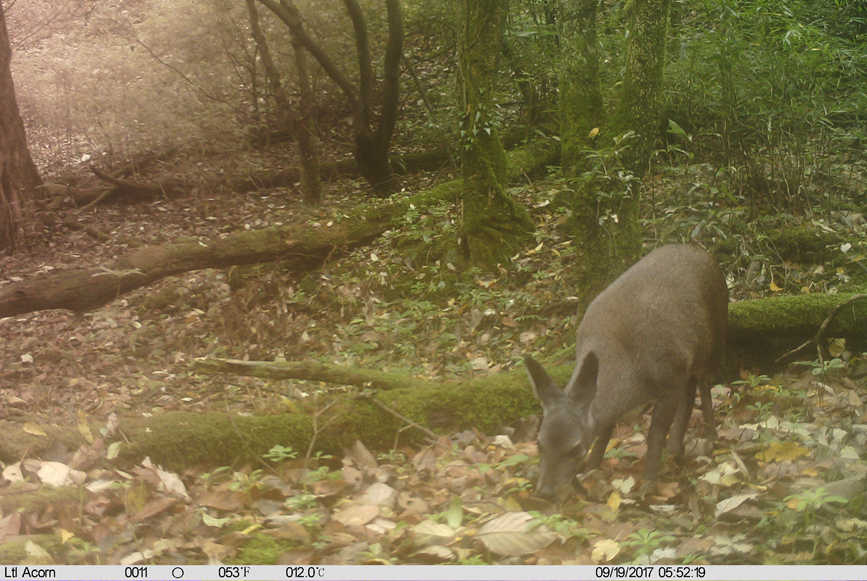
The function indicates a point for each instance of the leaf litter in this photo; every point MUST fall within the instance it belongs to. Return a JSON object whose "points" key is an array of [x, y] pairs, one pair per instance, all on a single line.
{"points": [[465, 499]]}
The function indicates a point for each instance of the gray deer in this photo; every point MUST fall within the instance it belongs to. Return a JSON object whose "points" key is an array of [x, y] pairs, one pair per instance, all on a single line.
{"points": [[654, 335]]}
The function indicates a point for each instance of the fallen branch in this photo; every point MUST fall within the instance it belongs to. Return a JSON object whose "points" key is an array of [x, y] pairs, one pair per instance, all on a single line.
{"points": [[307, 370], [409, 422], [135, 190], [300, 246], [72, 224], [317, 429]]}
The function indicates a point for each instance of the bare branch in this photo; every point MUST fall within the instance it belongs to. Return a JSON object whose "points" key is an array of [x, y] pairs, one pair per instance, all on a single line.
{"points": [[198, 88], [288, 13]]}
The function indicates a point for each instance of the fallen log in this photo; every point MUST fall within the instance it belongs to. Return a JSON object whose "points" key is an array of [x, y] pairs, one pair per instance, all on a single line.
{"points": [[134, 191], [332, 421], [762, 329], [301, 247]]}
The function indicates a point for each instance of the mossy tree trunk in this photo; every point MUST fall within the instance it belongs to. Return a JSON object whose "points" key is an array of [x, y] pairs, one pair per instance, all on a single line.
{"points": [[580, 92], [272, 75], [18, 175], [492, 226], [675, 28], [581, 116], [640, 104], [636, 124]]}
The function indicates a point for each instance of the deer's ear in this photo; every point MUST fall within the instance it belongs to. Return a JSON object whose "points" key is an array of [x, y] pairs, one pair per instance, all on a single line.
{"points": [[543, 386], [581, 388]]}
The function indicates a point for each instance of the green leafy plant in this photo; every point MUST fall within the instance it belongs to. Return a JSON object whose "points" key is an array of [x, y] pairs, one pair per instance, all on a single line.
{"points": [[823, 367], [566, 527], [280, 453], [215, 475], [762, 409], [322, 542], [513, 460], [246, 483], [810, 502], [392, 457], [321, 473], [645, 541], [453, 515], [319, 456], [300, 502], [520, 485], [376, 553], [620, 452], [753, 381], [310, 521]]}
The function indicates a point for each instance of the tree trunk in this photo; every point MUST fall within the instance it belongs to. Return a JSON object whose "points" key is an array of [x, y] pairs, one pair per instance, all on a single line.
{"points": [[637, 124], [581, 116], [675, 28], [300, 125], [580, 91], [308, 144], [491, 226], [271, 73], [640, 105], [18, 174], [372, 145], [530, 73]]}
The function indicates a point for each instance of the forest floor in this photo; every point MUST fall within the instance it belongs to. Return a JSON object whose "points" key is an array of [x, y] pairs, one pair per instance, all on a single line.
{"points": [[783, 483]]}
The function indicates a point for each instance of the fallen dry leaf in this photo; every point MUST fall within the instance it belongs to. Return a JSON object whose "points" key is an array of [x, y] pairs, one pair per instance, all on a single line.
{"points": [[153, 508], [513, 534], [380, 494], [356, 515], [604, 551], [429, 532]]}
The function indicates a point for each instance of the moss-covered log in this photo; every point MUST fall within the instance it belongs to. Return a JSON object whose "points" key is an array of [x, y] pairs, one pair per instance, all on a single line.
{"points": [[487, 403], [18, 548], [762, 329], [33, 439], [180, 439], [301, 246]]}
